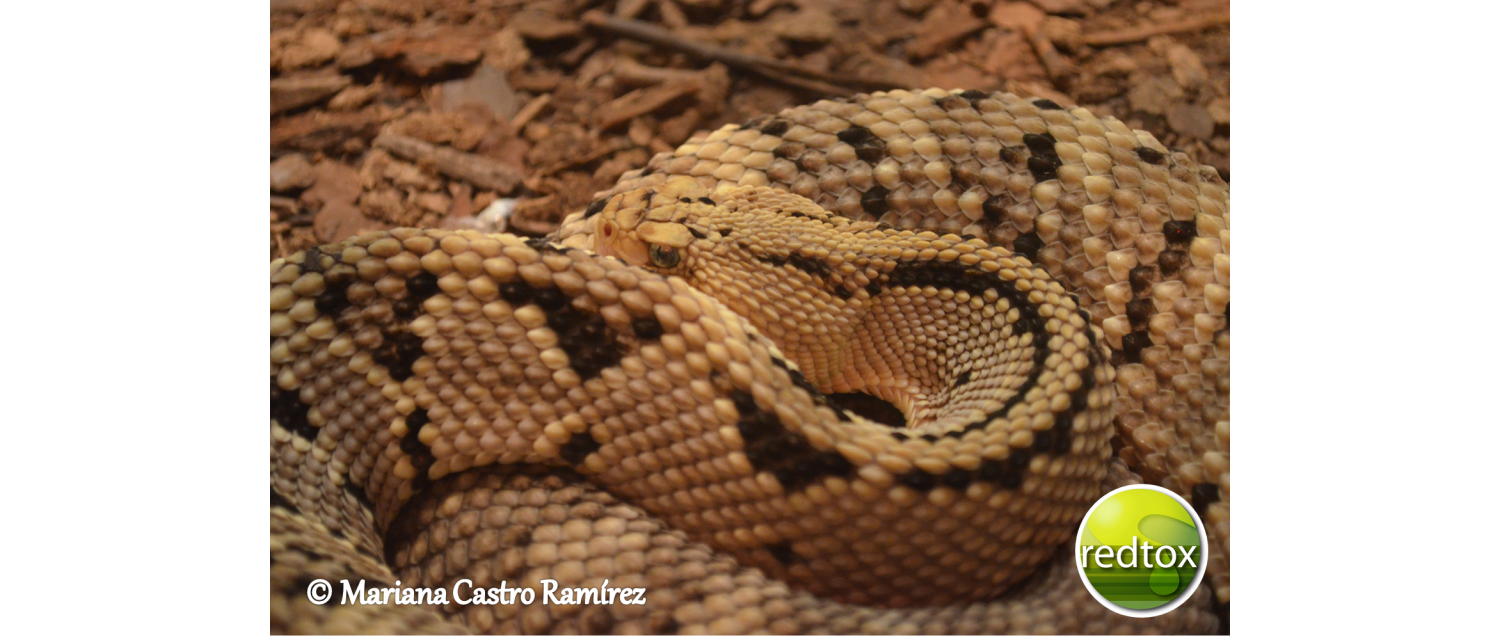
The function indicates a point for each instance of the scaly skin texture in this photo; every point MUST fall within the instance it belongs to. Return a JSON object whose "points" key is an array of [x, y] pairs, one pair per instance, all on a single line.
{"points": [[1139, 233], [675, 351]]}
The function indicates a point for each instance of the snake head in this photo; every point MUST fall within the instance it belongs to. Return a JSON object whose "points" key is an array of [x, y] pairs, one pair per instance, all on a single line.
{"points": [[648, 227]]}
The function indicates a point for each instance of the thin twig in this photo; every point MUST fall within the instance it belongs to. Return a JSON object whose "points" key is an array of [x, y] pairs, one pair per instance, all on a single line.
{"points": [[480, 171], [1147, 32], [772, 69]]}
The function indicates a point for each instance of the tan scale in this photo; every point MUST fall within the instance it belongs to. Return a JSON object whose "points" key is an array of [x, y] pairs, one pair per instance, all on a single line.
{"points": [[495, 382], [1103, 216]]}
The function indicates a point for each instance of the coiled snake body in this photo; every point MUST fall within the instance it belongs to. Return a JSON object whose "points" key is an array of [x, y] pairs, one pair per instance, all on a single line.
{"points": [[668, 394]]}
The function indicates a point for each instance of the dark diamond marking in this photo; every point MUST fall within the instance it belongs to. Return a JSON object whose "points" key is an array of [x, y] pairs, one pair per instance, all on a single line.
{"points": [[867, 145], [1141, 279], [1040, 144], [1012, 156], [416, 419], [358, 493], [578, 448], [776, 127], [1133, 343], [335, 297], [956, 277], [1044, 167], [956, 479], [994, 211], [783, 553], [1150, 155], [594, 208], [1171, 261], [1139, 311], [951, 103], [552, 300], [856, 135], [647, 328], [869, 407], [287, 410], [1204, 494], [788, 456], [421, 456], [789, 150], [1028, 244], [278, 501], [398, 352], [422, 286], [873, 201], [963, 379], [1043, 162], [590, 345], [919, 480], [1045, 104], [312, 261], [1180, 231], [974, 94]]}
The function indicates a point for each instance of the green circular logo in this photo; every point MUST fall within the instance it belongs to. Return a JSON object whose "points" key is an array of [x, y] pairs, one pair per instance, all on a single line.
{"points": [[1141, 551]]}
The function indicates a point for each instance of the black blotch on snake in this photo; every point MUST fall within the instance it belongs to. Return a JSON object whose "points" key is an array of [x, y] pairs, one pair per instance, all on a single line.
{"points": [[869, 407], [288, 410], [1180, 231], [398, 351], [1151, 155], [771, 447]]}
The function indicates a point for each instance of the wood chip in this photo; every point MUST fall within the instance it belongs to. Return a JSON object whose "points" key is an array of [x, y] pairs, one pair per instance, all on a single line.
{"points": [[477, 170], [325, 131], [643, 101], [944, 25], [538, 25], [291, 172], [293, 93], [339, 220], [1138, 34]]}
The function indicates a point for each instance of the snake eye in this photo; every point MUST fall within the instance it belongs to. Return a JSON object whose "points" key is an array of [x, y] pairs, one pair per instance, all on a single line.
{"points": [[664, 257]]}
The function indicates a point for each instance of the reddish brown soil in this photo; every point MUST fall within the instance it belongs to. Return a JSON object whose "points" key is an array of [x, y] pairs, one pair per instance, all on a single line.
{"points": [[489, 99]]}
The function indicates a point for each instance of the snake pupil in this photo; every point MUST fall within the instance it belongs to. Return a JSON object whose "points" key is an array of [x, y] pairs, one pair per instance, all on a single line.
{"points": [[664, 257]]}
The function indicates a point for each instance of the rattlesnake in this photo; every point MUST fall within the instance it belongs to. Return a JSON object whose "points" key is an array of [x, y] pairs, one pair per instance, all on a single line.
{"points": [[667, 393]]}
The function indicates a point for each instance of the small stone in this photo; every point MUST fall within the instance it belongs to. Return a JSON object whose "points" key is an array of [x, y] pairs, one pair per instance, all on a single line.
{"points": [[486, 88], [332, 182], [1191, 120], [1154, 94], [339, 220], [807, 25], [292, 49], [506, 50], [1187, 67], [290, 173], [1020, 16], [434, 202], [353, 97]]}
